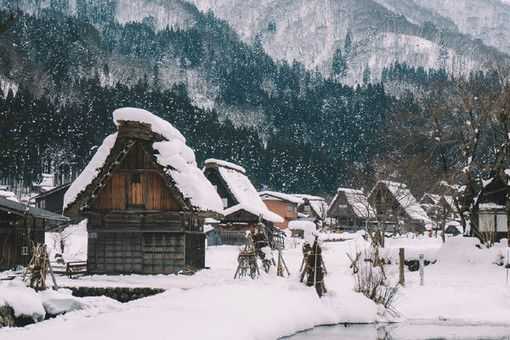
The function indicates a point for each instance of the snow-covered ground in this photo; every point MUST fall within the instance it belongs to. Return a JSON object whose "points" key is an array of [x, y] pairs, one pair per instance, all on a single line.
{"points": [[463, 287]]}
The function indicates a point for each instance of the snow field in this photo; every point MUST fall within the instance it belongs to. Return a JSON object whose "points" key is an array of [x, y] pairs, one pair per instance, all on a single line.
{"points": [[463, 287]]}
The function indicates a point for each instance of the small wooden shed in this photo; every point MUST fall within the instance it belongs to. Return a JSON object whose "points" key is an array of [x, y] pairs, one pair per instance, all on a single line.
{"points": [[243, 208], [145, 199], [20, 225], [350, 209]]}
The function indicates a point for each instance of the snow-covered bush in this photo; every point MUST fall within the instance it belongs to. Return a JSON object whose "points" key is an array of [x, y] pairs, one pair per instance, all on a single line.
{"points": [[370, 278]]}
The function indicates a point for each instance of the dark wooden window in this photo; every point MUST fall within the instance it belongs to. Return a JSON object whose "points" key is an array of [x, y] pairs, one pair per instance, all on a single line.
{"points": [[136, 192]]}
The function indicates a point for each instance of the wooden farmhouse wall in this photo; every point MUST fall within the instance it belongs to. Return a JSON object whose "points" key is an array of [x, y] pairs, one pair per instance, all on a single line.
{"points": [[16, 236], [136, 184]]}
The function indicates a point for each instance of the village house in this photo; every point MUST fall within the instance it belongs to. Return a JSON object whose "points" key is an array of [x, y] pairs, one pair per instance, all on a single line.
{"points": [[47, 183], [491, 209], [145, 199], [52, 200], [5, 193], [438, 207], [396, 207], [285, 205], [295, 206], [350, 209], [243, 208], [313, 208], [21, 226]]}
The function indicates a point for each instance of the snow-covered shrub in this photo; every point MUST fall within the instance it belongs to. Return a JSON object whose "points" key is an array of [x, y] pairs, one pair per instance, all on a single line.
{"points": [[370, 279]]}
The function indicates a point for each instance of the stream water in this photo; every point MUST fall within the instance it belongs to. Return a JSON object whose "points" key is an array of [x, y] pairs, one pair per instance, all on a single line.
{"points": [[405, 332]]}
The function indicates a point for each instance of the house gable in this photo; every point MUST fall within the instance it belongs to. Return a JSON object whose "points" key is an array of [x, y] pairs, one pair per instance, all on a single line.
{"points": [[136, 183]]}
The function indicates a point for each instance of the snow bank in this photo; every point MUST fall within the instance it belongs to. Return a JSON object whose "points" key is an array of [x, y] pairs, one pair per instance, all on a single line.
{"points": [[8, 195], [59, 302], [24, 301], [309, 228], [265, 308], [27, 303]]}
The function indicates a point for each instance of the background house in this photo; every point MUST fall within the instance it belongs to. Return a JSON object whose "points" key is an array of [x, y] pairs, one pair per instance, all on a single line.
{"points": [[20, 226], [52, 200], [145, 199], [491, 209], [395, 205], [243, 207], [350, 209], [439, 207], [285, 205], [314, 207]]}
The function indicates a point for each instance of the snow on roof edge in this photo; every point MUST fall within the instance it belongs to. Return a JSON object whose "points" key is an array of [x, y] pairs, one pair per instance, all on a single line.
{"points": [[226, 164], [267, 215], [91, 170]]}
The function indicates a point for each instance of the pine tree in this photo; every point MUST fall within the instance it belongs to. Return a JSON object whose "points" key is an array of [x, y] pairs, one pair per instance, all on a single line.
{"points": [[339, 64], [367, 75], [348, 44]]}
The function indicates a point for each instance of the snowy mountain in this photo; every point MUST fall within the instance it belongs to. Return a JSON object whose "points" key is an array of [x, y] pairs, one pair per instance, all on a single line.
{"points": [[310, 31], [488, 20], [161, 13]]}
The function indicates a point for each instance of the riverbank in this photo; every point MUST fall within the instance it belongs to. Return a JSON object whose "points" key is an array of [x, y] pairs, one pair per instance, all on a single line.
{"points": [[463, 286]]}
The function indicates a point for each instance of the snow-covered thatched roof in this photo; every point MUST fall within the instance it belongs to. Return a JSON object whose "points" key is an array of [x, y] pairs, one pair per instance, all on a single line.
{"points": [[406, 200], [4, 193], [317, 203], [172, 153], [358, 202], [243, 191], [281, 196], [434, 198]]}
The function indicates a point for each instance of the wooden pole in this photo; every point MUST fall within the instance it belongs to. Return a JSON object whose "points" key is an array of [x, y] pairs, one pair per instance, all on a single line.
{"points": [[401, 264], [422, 265]]}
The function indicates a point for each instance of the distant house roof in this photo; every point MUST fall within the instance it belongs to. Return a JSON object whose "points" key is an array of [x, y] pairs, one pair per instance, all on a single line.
{"points": [[242, 189], [4, 193], [432, 198], [47, 182], [281, 196], [317, 203], [22, 210], [405, 199], [358, 202], [171, 153], [52, 191]]}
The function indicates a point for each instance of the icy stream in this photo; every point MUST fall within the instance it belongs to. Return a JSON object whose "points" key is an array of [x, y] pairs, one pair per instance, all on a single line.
{"points": [[406, 331]]}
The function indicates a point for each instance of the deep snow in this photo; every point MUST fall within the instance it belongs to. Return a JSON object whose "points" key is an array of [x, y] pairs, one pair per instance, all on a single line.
{"points": [[463, 287]]}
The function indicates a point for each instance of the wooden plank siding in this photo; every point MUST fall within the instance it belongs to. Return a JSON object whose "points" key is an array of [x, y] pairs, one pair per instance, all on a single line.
{"points": [[17, 232], [136, 185]]}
